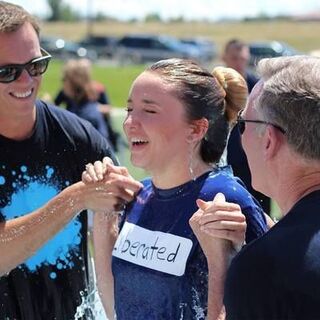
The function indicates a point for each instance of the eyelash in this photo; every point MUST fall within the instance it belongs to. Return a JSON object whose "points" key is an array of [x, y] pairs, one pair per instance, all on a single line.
{"points": [[146, 110]]}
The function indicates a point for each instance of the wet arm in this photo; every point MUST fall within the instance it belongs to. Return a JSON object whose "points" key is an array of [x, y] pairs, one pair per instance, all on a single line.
{"points": [[21, 237], [105, 232]]}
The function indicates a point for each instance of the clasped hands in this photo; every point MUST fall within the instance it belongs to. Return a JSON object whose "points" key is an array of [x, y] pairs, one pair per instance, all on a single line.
{"points": [[219, 226], [108, 187]]}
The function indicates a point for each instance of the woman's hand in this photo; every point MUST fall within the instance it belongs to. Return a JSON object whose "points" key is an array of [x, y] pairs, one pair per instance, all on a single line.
{"points": [[109, 187]]}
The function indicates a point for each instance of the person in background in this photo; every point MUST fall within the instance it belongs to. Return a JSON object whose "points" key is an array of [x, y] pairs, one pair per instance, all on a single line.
{"points": [[44, 150], [178, 119], [236, 55], [278, 275], [87, 98], [81, 94]]}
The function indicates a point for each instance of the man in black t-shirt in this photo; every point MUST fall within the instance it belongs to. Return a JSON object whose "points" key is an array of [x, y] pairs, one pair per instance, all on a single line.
{"points": [[278, 276], [44, 150]]}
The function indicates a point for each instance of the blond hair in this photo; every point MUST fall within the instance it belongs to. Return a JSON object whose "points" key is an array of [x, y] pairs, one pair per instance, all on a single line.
{"points": [[77, 74], [235, 90]]}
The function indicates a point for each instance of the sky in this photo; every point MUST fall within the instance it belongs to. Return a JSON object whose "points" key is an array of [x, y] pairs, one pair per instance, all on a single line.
{"points": [[212, 10]]}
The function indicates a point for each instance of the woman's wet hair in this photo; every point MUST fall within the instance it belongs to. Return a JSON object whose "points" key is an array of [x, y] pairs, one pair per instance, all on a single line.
{"points": [[216, 96]]}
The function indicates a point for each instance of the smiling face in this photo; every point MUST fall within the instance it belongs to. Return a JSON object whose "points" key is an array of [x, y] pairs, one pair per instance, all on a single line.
{"points": [[17, 98], [156, 126]]}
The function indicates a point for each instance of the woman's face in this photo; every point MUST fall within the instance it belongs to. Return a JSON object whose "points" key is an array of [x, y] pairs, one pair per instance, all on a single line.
{"points": [[156, 125]]}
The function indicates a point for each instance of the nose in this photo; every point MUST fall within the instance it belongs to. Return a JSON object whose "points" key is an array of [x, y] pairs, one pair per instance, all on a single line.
{"points": [[131, 122], [24, 76]]}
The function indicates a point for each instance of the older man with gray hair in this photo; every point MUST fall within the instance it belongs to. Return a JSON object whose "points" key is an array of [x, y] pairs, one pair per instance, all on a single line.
{"points": [[278, 276]]}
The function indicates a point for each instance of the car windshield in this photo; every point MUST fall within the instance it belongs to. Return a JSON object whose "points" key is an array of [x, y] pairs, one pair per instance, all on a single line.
{"points": [[171, 43]]}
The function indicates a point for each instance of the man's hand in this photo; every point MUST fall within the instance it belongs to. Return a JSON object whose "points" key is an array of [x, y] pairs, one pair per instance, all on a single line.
{"points": [[109, 187], [218, 219]]}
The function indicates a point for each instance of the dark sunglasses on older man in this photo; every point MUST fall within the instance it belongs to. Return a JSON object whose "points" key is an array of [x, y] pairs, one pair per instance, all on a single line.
{"points": [[242, 123], [35, 68]]}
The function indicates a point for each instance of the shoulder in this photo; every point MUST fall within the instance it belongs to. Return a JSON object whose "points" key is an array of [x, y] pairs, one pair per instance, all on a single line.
{"points": [[222, 180], [66, 119], [46, 109], [68, 126]]}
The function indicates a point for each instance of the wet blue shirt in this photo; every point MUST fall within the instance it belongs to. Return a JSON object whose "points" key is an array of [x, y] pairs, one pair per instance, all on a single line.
{"points": [[159, 268]]}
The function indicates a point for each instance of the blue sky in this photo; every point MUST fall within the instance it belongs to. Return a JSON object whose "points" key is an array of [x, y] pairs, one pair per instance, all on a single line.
{"points": [[189, 9]]}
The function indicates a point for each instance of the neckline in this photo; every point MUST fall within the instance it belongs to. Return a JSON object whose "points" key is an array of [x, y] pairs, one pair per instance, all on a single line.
{"points": [[180, 190]]}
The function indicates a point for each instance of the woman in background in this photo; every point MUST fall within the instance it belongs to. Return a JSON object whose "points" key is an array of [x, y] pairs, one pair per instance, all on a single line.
{"points": [[83, 96]]}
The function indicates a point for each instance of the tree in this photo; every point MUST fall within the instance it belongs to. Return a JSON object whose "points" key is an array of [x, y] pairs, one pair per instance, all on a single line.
{"points": [[152, 17], [61, 11]]}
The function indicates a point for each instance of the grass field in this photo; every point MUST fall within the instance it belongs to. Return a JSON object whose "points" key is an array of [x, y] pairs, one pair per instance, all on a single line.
{"points": [[117, 80]]}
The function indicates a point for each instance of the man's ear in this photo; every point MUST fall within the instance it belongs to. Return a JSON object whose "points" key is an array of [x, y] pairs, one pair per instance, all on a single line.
{"points": [[272, 141], [197, 130]]}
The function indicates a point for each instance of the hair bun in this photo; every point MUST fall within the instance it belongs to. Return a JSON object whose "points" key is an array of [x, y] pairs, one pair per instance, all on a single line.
{"points": [[235, 90]]}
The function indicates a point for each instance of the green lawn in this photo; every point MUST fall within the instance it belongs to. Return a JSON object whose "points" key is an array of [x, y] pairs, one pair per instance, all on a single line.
{"points": [[117, 80]]}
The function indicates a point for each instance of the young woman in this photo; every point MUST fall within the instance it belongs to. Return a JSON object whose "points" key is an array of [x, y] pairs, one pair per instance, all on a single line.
{"points": [[177, 125]]}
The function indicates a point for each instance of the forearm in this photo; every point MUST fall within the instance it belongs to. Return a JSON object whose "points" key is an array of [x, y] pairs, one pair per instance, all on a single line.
{"points": [[21, 237], [215, 297], [105, 233], [217, 270]]}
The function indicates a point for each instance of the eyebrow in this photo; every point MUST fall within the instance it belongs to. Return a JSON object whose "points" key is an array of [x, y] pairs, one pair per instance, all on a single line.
{"points": [[146, 101]]}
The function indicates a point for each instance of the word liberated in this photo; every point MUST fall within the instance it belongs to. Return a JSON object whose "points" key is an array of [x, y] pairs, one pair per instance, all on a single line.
{"points": [[155, 250]]}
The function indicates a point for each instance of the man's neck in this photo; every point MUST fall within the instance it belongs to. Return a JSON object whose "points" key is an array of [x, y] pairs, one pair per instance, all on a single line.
{"points": [[298, 188], [17, 129]]}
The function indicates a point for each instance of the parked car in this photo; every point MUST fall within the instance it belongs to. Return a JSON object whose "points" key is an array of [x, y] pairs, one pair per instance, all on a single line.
{"points": [[63, 49], [104, 46], [150, 48], [206, 47], [269, 49]]}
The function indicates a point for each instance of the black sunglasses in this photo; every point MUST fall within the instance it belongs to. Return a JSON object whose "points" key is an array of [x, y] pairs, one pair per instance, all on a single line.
{"points": [[242, 123], [35, 67]]}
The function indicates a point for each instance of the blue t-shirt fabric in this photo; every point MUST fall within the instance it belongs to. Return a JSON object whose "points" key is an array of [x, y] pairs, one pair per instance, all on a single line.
{"points": [[277, 277], [159, 269], [49, 284]]}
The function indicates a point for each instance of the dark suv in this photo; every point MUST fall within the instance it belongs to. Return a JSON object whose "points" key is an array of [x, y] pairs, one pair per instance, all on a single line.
{"points": [[104, 46], [151, 48], [269, 49]]}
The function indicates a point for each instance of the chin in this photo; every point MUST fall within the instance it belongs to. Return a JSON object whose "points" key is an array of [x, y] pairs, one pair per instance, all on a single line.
{"points": [[139, 163]]}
